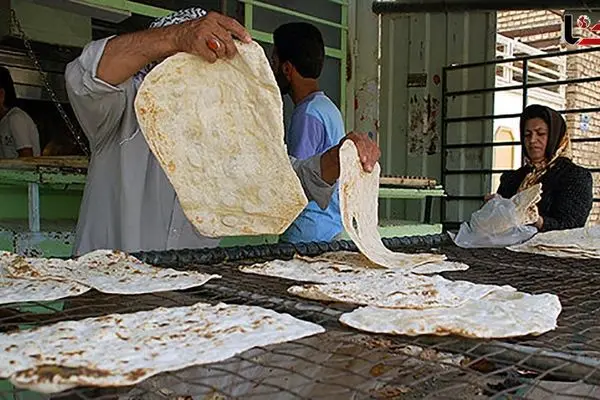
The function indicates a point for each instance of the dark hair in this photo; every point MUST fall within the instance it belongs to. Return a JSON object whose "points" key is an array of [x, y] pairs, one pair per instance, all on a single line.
{"points": [[557, 126], [301, 44], [6, 83]]}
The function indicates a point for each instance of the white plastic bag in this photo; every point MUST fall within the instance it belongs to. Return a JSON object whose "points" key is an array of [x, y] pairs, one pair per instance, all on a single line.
{"points": [[496, 224]]}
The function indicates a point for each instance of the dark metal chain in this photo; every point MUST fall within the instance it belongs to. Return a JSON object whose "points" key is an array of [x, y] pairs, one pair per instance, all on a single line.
{"points": [[74, 131]]}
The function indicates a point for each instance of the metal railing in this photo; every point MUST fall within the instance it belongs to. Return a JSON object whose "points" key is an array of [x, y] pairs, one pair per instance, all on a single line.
{"points": [[526, 85]]}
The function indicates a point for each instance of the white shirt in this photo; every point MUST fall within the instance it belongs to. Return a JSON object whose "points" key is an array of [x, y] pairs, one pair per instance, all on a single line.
{"points": [[128, 203], [17, 132]]}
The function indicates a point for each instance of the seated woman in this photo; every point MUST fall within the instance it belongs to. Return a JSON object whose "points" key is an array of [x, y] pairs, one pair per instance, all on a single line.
{"points": [[19, 135], [567, 188]]}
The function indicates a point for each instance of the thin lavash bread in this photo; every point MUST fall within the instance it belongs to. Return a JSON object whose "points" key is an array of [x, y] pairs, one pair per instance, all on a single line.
{"points": [[359, 197], [217, 130], [71, 354]]}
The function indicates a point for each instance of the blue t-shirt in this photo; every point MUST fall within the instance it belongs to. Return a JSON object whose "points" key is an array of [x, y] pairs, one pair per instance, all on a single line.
{"points": [[316, 126]]}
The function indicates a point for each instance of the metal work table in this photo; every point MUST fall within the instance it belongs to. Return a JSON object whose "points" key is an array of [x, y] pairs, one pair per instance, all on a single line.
{"points": [[348, 364]]}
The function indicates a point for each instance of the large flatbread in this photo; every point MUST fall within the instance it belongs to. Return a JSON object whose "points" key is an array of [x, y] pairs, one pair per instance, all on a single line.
{"points": [[500, 314], [110, 271], [582, 243], [390, 289], [359, 260], [217, 131], [124, 349], [359, 194], [14, 290]]}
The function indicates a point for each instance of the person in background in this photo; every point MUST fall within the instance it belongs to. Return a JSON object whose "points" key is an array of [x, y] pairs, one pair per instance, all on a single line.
{"points": [[566, 187], [316, 123], [19, 136]]}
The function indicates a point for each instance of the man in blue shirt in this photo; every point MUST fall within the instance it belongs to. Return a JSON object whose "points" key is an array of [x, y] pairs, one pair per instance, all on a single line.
{"points": [[316, 124]]}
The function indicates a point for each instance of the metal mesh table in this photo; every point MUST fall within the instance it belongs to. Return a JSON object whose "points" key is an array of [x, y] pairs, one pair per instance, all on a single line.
{"points": [[347, 364]]}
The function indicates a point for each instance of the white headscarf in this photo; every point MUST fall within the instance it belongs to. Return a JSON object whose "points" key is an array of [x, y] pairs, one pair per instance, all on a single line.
{"points": [[176, 17]]}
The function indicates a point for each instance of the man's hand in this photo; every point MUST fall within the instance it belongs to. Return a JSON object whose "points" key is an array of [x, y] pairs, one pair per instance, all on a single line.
{"points": [[210, 37], [368, 152]]}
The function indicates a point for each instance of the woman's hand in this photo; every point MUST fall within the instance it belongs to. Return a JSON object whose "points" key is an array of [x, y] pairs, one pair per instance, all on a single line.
{"points": [[539, 224], [488, 197]]}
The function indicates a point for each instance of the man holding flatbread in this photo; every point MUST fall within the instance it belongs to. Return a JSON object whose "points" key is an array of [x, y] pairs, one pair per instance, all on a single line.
{"points": [[129, 203]]}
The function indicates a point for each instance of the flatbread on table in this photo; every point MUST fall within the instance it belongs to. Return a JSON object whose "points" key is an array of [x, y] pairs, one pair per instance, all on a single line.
{"points": [[217, 130], [109, 271], [501, 314], [301, 270], [124, 349], [14, 290], [390, 289], [330, 267], [359, 194], [582, 243], [359, 260]]}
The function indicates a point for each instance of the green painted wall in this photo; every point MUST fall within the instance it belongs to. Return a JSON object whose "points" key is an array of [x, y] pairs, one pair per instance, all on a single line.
{"points": [[54, 204]]}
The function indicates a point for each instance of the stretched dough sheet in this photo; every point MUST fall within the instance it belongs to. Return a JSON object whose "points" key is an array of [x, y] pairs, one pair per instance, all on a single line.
{"points": [[582, 243], [501, 314], [110, 271], [70, 354], [390, 289], [359, 260], [14, 290], [359, 194], [217, 131]]}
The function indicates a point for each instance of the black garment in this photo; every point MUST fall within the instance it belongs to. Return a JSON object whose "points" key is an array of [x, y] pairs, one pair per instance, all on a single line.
{"points": [[566, 194]]}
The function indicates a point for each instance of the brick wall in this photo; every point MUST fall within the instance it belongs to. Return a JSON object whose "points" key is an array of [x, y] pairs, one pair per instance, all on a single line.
{"points": [[577, 95]]}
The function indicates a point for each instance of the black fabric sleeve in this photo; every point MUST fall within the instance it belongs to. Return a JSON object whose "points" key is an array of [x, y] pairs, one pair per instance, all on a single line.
{"points": [[571, 203]]}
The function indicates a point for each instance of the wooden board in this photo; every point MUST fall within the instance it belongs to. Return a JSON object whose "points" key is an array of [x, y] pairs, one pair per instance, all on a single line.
{"points": [[47, 162], [407, 181]]}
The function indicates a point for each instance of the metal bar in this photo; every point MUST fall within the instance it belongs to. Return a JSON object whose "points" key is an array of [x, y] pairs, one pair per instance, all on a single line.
{"points": [[428, 207], [480, 145], [525, 101], [444, 134], [249, 18], [522, 58], [343, 61], [424, 6], [503, 116], [144, 9], [493, 171], [525, 81], [293, 13], [480, 197], [133, 7], [34, 207], [594, 139], [476, 171], [266, 37], [531, 85]]}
